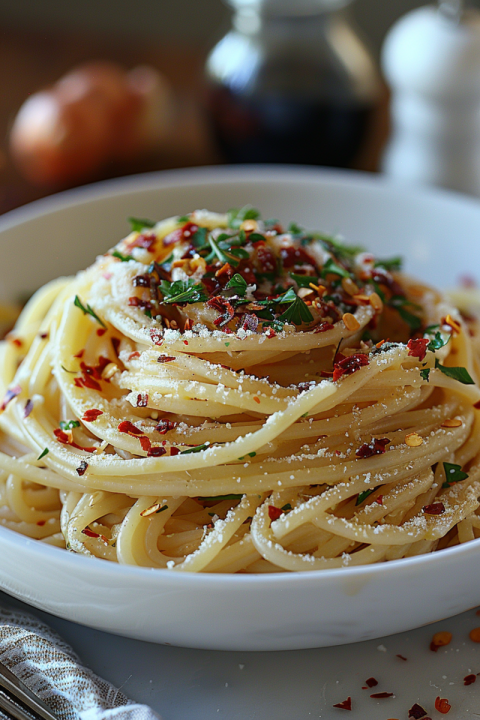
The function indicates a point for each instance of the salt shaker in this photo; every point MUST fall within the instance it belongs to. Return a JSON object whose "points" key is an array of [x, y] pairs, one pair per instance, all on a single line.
{"points": [[431, 59]]}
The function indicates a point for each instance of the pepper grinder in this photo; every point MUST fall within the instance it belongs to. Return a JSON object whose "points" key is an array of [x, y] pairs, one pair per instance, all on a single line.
{"points": [[431, 59]]}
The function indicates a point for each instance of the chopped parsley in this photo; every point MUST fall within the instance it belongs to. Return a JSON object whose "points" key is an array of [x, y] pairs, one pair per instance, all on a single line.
{"points": [[391, 264], [196, 449], [138, 224], [69, 424], [237, 284], [438, 341], [120, 256], [43, 453], [304, 280], [454, 474], [88, 310], [425, 374], [400, 304], [331, 268], [183, 291], [235, 217], [457, 373], [363, 496]]}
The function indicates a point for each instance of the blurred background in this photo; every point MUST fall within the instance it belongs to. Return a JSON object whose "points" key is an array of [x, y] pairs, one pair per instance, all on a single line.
{"points": [[144, 85]]}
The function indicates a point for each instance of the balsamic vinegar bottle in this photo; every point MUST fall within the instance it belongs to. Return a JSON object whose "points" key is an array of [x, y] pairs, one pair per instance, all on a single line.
{"points": [[291, 83]]}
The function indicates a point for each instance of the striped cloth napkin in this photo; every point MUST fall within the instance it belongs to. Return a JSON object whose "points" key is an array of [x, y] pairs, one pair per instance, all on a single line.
{"points": [[49, 668]]}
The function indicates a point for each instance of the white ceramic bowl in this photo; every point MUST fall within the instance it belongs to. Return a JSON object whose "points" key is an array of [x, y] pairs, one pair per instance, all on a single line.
{"points": [[438, 233]]}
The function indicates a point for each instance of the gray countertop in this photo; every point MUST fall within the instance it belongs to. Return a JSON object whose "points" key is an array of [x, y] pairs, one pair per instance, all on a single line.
{"points": [[182, 684]]}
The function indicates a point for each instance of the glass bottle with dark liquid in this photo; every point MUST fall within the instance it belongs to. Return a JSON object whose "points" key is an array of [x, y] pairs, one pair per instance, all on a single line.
{"points": [[291, 83]]}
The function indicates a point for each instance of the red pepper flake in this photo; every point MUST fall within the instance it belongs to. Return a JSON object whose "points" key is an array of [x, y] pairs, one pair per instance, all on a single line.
{"points": [[129, 428], [66, 439], [381, 695], [133, 355], [274, 513], [156, 452], [185, 342], [477, 405], [90, 533], [418, 348], [142, 400], [43, 336], [28, 408], [101, 331], [270, 333], [174, 451], [349, 365], [41, 523], [416, 712], [89, 382], [323, 327], [16, 341], [144, 240], [91, 415], [257, 399], [165, 358], [434, 509], [80, 353], [402, 658], [10, 395], [379, 499], [78, 382], [116, 344], [469, 679], [376, 447], [345, 705], [156, 336], [222, 306], [371, 682], [442, 705], [145, 443], [165, 425], [82, 468]]}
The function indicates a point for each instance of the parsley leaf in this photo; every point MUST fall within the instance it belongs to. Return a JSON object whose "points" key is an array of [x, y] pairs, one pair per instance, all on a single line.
{"points": [[183, 218], [69, 425], [331, 268], [454, 474], [425, 373], [286, 507], [363, 496], [183, 291], [295, 229], [437, 342], [88, 311], [199, 238], [196, 449], [390, 264], [237, 284], [457, 373], [297, 313], [123, 258], [341, 251], [43, 453], [138, 224], [236, 216], [304, 280], [401, 304]]}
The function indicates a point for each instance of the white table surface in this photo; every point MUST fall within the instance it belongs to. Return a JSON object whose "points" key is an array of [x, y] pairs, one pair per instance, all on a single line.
{"points": [[183, 684]]}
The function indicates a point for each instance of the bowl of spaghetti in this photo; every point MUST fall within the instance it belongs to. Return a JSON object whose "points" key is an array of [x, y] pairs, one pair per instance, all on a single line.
{"points": [[245, 425]]}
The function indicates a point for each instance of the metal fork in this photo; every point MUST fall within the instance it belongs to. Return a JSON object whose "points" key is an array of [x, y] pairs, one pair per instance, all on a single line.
{"points": [[18, 701]]}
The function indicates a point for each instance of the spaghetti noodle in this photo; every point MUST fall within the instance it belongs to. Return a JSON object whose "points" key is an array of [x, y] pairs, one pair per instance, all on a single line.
{"points": [[220, 394]]}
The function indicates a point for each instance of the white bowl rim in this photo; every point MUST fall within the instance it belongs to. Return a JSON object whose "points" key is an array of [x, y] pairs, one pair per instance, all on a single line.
{"points": [[220, 174]]}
